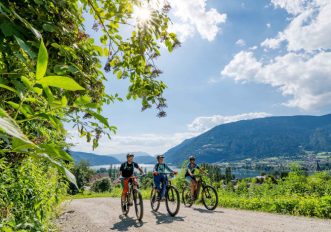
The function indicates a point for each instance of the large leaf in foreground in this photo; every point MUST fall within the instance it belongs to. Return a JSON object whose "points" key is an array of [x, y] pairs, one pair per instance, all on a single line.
{"points": [[42, 61], [9, 126], [61, 82]]}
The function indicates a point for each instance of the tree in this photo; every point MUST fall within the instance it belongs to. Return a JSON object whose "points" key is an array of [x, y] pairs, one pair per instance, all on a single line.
{"points": [[83, 173], [228, 174], [50, 73]]}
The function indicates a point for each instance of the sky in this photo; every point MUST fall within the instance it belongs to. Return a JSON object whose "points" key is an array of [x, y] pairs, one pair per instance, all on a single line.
{"points": [[239, 59]]}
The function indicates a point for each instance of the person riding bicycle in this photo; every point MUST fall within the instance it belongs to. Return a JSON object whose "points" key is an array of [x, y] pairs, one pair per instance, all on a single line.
{"points": [[126, 171], [189, 175], [159, 177]]}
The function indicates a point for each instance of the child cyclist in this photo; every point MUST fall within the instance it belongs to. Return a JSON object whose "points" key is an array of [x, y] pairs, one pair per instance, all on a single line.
{"points": [[159, 177]]}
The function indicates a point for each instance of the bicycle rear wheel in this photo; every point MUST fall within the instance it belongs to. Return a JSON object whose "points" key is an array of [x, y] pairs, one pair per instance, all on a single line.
{"points": [[155, 204], [172, 200], [209, 197], [186, 197], [138, 204], [125, 205]]}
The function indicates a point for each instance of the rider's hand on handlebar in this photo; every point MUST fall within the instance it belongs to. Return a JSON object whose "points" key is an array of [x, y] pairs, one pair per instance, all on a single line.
{"points": [[155, 173], [175, 172]]}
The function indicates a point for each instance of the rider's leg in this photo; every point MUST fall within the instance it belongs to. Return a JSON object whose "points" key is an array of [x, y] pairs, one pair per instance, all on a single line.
{"points": [[191, 184], [125, 186], [164, 180], [157, 182]]}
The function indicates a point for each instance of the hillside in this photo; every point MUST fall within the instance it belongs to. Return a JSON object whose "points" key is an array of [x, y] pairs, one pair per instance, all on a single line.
{"points": [[93, 159], [257, 138], [140, 157]]}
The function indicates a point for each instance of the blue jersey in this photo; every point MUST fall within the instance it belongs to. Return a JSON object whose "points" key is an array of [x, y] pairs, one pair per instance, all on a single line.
{"points": [[191, 168], [162, 168]]}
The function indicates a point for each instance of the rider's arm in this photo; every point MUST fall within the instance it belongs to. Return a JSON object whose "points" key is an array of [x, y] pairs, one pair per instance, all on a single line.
{"points": [[120, 171], [141, 170], [168, 169]]}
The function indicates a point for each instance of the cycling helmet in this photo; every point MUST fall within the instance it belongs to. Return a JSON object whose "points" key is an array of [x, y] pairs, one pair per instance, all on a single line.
{"points": [[129, 155], [159, 156], [192, 157]]}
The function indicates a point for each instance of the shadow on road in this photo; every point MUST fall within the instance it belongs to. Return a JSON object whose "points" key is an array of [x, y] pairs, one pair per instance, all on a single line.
{"points": [[126, 223], [207, 211], [162, 218]]}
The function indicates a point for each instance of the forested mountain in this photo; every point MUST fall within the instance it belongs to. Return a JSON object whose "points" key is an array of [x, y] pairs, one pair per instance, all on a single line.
{"points": [[257, 138]]}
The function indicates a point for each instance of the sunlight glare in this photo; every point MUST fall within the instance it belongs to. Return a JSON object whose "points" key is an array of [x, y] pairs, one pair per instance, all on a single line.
{"points": [[142, 14]]}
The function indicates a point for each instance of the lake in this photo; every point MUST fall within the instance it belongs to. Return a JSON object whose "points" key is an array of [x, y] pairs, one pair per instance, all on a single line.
{"points": [[239, 173], [149, 167]]}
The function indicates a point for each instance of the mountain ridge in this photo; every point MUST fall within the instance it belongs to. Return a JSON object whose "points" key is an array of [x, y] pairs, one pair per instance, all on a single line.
{"points": [[257, 138]]}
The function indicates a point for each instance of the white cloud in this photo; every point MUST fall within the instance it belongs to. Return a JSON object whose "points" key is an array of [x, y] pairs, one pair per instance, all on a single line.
{"points": [[310, 28], [202, 124], [291, 6], [304, 72], [192, 16], [240, 43], [268, 25], [306, 78], [154, 143]]}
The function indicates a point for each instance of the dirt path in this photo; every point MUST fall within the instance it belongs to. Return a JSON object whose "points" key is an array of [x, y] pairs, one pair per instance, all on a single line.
{"points": [[103, 214]]}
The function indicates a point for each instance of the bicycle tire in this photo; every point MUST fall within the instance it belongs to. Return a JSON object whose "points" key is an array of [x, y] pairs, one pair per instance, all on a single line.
{"points": [[155, 204], [172, 195], [186, 197], [208, 192], [138, 204]]}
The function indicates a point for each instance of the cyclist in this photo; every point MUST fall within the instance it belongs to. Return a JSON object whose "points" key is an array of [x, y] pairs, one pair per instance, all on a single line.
{"points": [[159, 177], [126, 171], [189, 176]]}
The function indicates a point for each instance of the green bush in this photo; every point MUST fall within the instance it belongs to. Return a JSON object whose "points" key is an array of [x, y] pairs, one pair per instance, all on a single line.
{"points": [[29, 192], [102, 185]]}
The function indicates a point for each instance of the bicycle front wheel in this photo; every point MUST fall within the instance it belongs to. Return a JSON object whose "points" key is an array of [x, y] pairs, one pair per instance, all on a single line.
{"points": [[172, 200], [138, 204], [155, 204], [186, 197], [209, 197]]}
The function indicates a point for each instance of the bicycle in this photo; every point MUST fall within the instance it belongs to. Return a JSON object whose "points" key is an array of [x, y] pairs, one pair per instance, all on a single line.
{"points": [[171, 197], [209, 194], [135, 194]]}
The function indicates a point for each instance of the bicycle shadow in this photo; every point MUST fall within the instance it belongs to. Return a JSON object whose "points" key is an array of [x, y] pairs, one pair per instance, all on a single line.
{"points": [[162, 218], [201, 210], [127, 222]]}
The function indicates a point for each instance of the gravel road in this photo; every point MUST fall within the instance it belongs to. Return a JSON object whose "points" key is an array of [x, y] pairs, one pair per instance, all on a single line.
{"points": [[103, 214]]}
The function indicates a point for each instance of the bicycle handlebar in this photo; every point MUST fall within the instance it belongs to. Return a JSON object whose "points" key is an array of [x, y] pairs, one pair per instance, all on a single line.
{"points": [[134, 176]]}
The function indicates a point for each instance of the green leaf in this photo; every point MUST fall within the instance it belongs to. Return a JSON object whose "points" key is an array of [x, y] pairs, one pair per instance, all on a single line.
{"points": [[13, 104], [37, 90], [26, 82], [26, 48], [56, 151], [64, 101], [60, 167], [99, 117], [9, 88], [61, 82], [49, 27], [9, 126], [82, 100], [42, 61]]}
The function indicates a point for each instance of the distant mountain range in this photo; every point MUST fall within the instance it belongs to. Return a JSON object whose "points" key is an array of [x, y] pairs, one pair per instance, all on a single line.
{"points": [[94, 159], [257, 138]]}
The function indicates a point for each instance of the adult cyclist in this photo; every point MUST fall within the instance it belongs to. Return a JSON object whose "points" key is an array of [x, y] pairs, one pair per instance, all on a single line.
{"points": [[126, 171], [189, 176], [159, 177]]}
